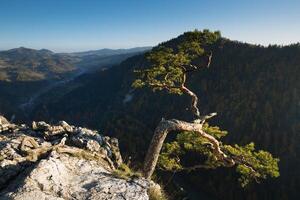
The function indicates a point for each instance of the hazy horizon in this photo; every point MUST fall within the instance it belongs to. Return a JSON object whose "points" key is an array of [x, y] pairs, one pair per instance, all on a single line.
{"points": [[75, 50], [101, 48], [72, 26]]}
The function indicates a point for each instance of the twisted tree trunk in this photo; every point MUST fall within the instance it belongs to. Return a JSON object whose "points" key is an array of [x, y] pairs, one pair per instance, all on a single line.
{"points": [[160, 134], [166, 126]]}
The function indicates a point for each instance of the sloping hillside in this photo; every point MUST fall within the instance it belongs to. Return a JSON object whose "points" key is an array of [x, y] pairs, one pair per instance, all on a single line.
{"points": [[26, 74], [23, 64]]}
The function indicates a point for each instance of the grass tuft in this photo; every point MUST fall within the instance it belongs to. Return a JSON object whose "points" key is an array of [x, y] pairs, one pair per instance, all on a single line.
{"points": [[126, 173], [156, 193]]}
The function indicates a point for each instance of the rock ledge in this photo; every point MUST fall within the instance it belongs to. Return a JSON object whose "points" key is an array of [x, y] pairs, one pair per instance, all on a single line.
{"points": [[56, 162]]}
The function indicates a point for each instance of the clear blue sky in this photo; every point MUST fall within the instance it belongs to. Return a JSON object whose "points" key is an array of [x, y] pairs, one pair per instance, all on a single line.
{"points": [[75, 25]]}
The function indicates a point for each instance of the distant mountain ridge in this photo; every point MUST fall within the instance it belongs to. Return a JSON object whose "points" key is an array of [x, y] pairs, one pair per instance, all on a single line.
{"points": [[110, 52], [25, 51], [26, 73], [25, 64]]}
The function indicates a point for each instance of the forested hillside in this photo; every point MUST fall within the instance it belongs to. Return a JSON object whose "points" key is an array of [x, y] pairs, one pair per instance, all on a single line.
{"points": [[26, 74], [254, 90], [24, 64]]}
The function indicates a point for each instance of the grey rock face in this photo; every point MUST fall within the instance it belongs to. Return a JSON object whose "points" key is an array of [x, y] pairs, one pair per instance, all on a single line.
{"points": [[61, 176], [4, 124], [56, 162], [3, 120]]}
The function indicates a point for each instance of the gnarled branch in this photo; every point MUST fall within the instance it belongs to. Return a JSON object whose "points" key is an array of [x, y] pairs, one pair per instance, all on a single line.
{"points": [[160, 134]]}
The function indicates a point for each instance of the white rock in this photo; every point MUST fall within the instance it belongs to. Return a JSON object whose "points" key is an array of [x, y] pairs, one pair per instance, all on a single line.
{"points": [[65, 177]]}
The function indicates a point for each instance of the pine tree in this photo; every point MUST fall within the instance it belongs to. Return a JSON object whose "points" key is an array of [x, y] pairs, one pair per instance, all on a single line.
{"points": [[168, 70]]}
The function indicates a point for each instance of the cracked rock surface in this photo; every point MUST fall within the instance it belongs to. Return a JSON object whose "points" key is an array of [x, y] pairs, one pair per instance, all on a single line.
{"points": [[58, 162]]}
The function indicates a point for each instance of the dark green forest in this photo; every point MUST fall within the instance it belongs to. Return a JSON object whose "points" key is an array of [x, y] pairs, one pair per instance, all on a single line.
{"points": [[254, 90]]}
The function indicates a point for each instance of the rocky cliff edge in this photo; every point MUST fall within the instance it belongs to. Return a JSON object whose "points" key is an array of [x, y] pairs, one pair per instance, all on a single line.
{"points": [[56, 162]]}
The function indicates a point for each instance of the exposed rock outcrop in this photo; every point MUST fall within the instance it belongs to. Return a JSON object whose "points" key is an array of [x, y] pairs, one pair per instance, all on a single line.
{"points": [[56, 162]]}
